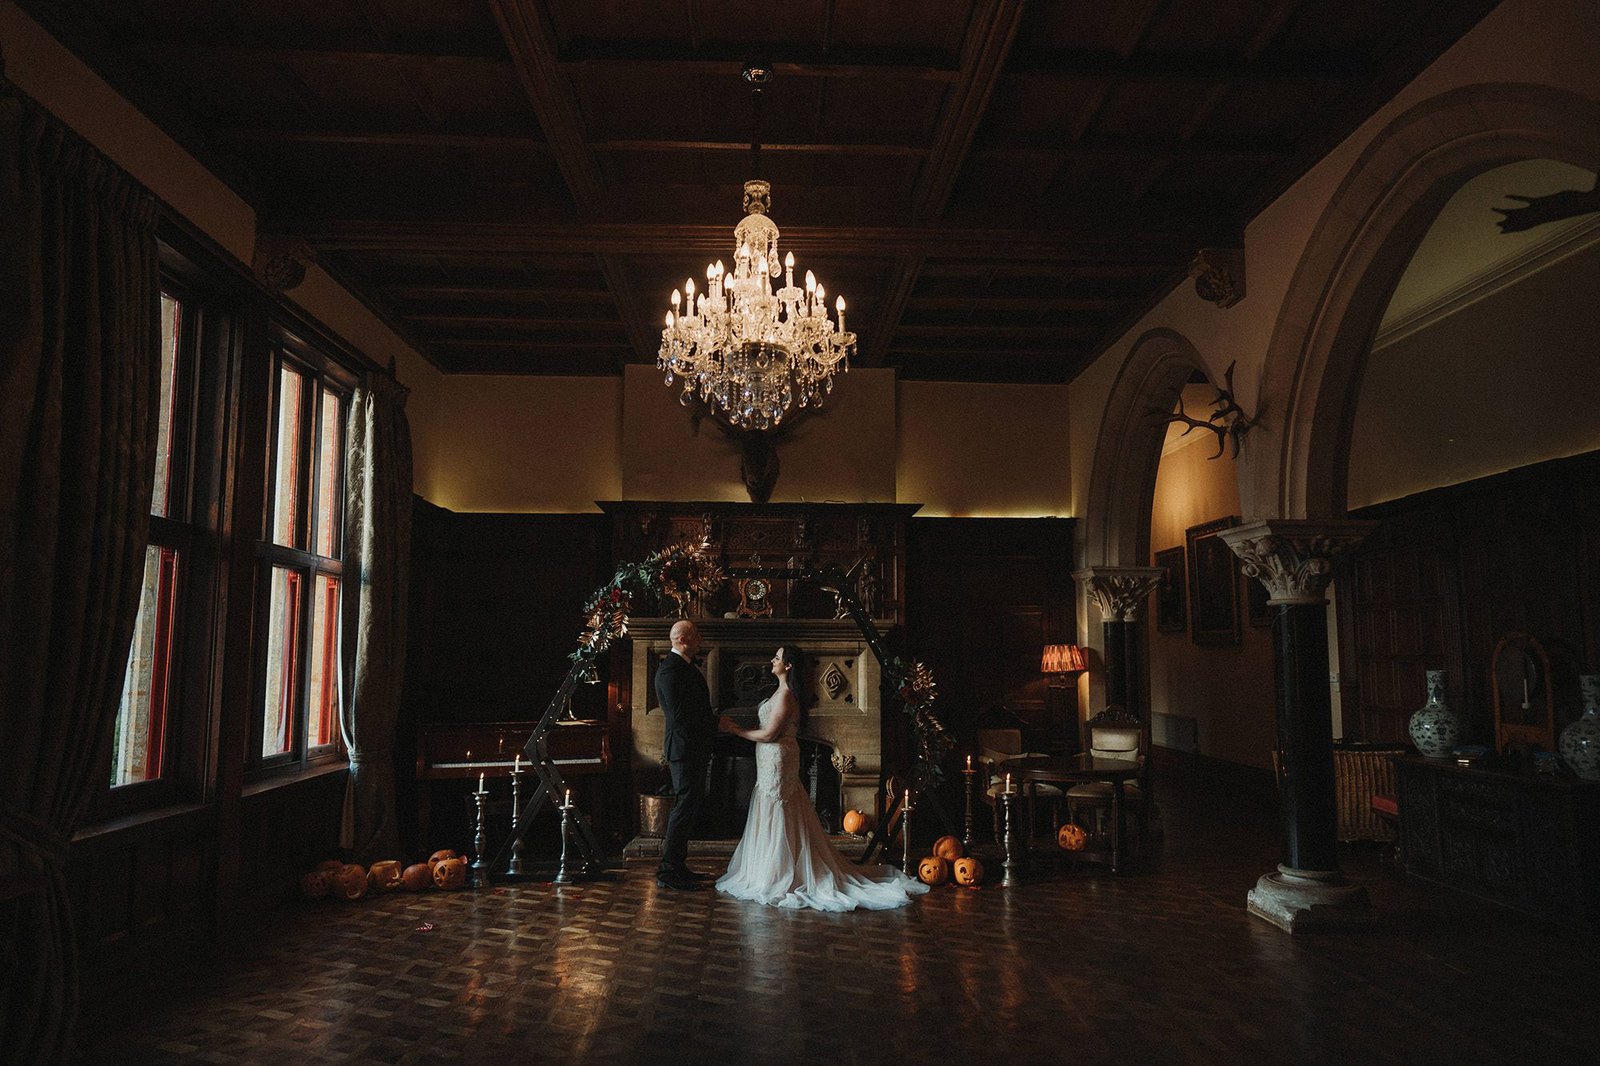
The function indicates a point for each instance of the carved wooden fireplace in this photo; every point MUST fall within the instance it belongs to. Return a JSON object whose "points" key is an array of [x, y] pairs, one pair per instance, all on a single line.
{"points": [[743, 624]]}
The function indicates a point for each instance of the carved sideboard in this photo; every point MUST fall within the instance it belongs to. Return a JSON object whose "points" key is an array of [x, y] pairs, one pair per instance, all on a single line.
{"points": [[1523, 840]]}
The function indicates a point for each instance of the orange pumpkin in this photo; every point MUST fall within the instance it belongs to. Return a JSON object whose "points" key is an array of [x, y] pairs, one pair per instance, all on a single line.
{"points": [[331, 866], [417, 877], [316, 884], [948, 848], [350, 882], [933, 870], [450, 873], [1072, 837], [855, 822], [439, 856], [384, 876], [968, 871]]}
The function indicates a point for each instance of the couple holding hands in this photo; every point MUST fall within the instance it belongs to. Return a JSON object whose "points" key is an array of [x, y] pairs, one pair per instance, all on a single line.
{"points": [[784, 858]]}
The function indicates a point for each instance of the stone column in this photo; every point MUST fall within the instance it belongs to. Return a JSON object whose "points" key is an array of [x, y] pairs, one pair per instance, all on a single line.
{"points": [[1294, 560], [1121, 593]]}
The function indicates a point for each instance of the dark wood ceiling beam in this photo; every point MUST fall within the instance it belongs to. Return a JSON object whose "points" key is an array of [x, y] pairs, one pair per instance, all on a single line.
{"points": [[990, 33], [344, 53], [996, 352], [490, 294], [913, 151], [1189, 67], [902, 280], [531, 42], [1040, 305], [1088, 247], [533, 343], [1106, 149], [513, 321], [665, 59], [1036, 333], [384, 138]]}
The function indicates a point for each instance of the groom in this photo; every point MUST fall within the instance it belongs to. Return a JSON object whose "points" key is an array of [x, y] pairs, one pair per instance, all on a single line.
{"points": [[681, 690]]}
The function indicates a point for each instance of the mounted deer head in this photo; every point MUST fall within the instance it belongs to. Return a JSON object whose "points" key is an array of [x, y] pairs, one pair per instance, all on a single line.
{"points": [[1228, 421]]}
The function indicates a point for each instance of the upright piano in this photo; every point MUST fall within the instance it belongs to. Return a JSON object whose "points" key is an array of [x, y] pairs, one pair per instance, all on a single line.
{"points": [[460, 751]]}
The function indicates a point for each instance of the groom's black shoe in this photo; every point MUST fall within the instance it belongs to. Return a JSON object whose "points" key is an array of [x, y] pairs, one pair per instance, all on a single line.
{"points": [[674, 879], [694, 875]]}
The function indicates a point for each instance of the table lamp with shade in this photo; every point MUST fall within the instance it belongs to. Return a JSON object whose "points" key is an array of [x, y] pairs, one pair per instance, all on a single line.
{"points": [[1061, 662]]}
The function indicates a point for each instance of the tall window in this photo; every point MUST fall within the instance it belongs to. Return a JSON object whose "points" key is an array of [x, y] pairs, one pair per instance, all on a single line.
{"points": [[140, 745], [302, 568]]}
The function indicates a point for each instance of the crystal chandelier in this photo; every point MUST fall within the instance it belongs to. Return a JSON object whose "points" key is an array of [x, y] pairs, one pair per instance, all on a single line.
{"points": [[751, 350]]}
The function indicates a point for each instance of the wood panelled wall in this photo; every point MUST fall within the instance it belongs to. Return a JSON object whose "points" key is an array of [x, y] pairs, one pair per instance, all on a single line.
{"points": [[1451, 571], [983, 597]]}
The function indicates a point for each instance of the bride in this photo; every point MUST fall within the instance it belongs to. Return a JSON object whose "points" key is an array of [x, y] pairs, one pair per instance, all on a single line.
{"points": [[785, 858]]}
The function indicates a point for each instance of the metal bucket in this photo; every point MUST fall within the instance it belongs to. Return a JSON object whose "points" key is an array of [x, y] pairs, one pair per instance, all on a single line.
{"points": [[653, 813]]}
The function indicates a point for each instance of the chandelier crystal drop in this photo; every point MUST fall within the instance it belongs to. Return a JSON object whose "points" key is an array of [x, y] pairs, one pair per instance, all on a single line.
{"points": [[749, 348]]}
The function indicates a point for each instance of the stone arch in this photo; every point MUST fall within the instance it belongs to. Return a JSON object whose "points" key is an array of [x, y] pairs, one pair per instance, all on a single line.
{"points": [[1122, 481], [1356, 254]]}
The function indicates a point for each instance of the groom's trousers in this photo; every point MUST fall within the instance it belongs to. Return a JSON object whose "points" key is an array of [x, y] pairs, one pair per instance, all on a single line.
{"points": [[688, 791]]}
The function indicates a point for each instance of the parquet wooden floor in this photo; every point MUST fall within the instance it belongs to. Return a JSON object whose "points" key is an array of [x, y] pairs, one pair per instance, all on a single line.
{"points": [[1072, 967]]}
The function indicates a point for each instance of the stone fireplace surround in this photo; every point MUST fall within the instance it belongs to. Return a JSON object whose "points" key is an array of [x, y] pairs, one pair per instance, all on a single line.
{"points": [[843, 706]]}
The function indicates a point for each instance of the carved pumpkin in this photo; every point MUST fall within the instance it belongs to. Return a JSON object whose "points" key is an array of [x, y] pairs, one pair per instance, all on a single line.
{"points": [[450, 873], [968, 871], [417, 877], [933, 870], [855, 822], [948, 848], [316, 884], [350, 882], [439, 856], [1072, 837], [384, 876]]}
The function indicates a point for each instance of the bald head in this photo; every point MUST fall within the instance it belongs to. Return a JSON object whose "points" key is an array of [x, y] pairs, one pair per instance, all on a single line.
{"points": [[685, 638]]}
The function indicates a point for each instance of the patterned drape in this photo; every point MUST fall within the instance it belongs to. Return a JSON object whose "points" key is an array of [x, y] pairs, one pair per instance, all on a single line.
{"points": [[79, 397], [378, 541]]}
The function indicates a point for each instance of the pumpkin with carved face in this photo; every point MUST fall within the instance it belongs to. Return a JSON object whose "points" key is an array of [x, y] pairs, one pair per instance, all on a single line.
{"points": [[1072, 837], [968, 872], [855, 822], [350, 882], [384, 876], [417, 877], [933, 870], [316, 884], [450, 873], [948, 848], [439, 856]]}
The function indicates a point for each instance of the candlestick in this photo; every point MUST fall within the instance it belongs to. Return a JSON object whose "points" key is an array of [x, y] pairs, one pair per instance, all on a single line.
{"points": [[905, 833], [1011, 871], [966, 835], [514, 866], [477, 871], [1524, 693], [564, 874], [1008, 782]]}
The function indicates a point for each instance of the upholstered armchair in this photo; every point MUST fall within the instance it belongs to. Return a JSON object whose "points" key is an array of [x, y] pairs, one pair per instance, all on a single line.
{"points": [[1115, 733]]}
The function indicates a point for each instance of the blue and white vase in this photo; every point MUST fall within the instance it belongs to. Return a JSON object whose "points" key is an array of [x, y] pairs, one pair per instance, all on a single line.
{"points": [[1435, 729], [1580, 741]]}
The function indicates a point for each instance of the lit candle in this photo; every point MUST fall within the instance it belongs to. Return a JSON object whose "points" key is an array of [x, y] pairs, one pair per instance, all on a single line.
{"points": [[839, 303], [788, 270], [969, 764], [1008, 782], [518, 767], [569, 797], [480, 782]]}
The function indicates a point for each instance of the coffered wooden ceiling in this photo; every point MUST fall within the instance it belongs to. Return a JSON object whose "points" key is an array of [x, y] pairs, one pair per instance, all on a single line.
{"points": [[998, 188]]}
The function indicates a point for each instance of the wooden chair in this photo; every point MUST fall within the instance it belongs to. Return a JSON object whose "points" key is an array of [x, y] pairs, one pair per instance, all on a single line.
{"points": [[1115, 733], [995, 746]]}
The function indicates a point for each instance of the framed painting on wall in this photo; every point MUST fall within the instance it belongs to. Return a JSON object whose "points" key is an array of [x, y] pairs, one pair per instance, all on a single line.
{"points": [[1213, 585], [1170, 614]]}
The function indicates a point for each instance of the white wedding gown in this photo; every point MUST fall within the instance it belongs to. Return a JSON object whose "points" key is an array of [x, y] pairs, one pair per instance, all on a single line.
{"points": [[785, 858]]}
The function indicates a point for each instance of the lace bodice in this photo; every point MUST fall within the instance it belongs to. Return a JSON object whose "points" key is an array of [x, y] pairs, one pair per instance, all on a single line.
{"points": [[778, 760]]}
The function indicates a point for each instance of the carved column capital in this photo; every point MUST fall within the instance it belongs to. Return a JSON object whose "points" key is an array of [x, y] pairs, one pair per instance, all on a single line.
{"points": [[1293, 558], [1120, 591]]}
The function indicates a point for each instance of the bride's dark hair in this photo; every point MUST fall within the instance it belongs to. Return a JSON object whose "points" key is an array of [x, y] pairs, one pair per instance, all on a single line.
{"points": [[796, 660]]}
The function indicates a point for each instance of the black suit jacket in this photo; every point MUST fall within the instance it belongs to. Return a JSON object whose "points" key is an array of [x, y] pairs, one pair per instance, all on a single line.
{"points": [[681, 690]]}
